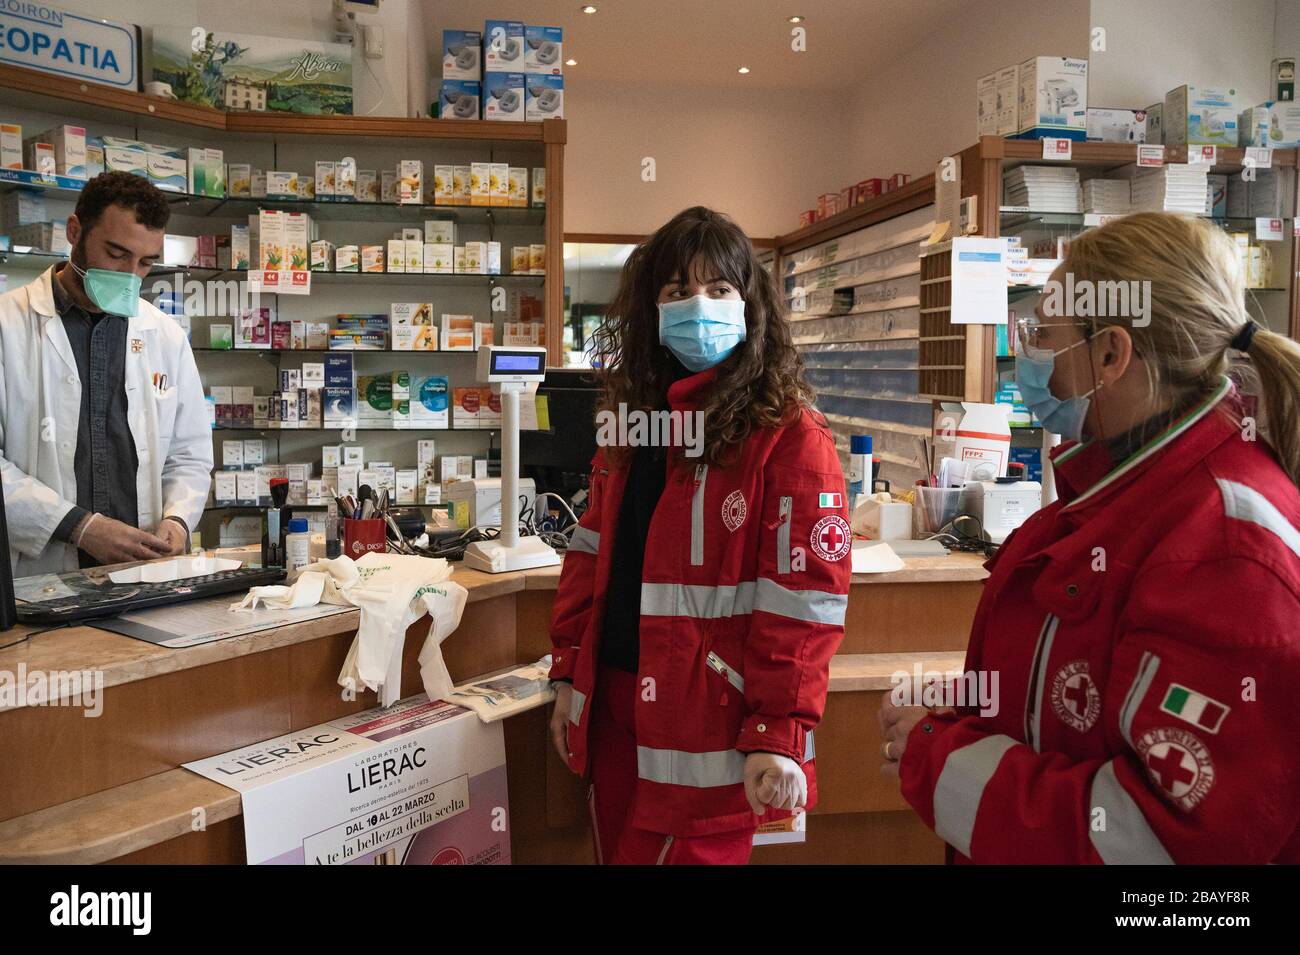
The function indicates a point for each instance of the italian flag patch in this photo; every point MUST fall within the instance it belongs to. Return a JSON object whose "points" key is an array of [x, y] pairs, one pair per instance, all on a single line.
{"points": [[825, 499], [1195, 708]]}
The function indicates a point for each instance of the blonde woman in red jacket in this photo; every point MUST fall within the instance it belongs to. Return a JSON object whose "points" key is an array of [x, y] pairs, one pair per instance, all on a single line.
{"points": [[1144, 626], [704, 590]]}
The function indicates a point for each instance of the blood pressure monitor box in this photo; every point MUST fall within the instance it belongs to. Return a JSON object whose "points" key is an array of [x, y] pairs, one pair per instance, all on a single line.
{"points": [[543, 49], [461, 55], [503, 45], [544, 97], [503, 96], [460, 99]]}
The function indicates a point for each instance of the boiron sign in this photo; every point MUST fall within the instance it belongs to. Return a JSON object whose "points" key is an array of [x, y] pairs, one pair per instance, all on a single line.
{"points": [[54, 41]]}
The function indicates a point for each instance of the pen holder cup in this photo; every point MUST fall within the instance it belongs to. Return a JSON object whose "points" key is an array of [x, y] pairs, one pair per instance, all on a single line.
{"points": [[933, 509], [362, 536]]}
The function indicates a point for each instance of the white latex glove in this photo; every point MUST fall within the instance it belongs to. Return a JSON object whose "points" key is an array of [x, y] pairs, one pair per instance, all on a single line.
{"points": [[775, 781]]}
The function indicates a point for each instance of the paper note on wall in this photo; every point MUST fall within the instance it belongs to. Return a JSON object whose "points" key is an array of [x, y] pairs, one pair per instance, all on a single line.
{"points": [[979, 281]]}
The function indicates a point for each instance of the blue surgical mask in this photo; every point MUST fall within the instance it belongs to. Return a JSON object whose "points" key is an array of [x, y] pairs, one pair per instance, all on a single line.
{"points": [[117, 293], [702, 331], [1063, 417]]}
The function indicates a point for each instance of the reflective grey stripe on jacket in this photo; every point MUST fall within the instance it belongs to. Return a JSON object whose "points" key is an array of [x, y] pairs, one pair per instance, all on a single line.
{"points": [[723, 767], [584, 541], [704, 602], [697, 516], [1127, 838], [577, 700], [960, 788]]}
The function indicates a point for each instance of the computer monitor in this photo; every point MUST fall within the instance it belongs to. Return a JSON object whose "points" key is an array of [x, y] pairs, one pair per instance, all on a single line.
{"points": [[559, 460]]}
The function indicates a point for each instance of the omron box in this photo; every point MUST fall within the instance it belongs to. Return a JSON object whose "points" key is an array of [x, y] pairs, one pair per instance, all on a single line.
{"points": [[1201, 116], [544, 97], [1053, 98], [459, 99], [461, 54], [544, 50], [503, 96], [1272, 124], [503, 45]]}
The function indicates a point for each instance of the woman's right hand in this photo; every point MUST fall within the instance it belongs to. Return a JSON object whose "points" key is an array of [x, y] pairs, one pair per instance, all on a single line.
{"points": [[560, 719]]}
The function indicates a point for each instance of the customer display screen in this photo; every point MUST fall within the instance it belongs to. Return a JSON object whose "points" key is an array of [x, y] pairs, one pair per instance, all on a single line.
{"points": [[530, 364]]}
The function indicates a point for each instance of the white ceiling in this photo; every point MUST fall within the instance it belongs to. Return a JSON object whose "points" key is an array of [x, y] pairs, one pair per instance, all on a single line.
{"points": [[702, 43]]}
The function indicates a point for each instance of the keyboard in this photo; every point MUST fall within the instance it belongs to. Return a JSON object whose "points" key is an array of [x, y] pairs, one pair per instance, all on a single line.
{"points": [[93, 599]]}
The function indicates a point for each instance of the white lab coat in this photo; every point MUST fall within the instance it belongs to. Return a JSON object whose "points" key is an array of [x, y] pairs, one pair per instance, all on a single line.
{"points": [[40, 410]]}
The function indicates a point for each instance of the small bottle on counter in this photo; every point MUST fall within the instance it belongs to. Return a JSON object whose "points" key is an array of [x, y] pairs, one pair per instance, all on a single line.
{"points": [[860, 474], [297, 547]]}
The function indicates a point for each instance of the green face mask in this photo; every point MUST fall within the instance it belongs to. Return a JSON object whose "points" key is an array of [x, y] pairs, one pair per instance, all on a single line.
{"points": [[117, 293]]}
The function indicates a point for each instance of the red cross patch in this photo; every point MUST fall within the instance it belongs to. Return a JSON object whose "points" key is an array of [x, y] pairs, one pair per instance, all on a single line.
{"points": [[1075, 699], [1179, 764], [831, 538]]}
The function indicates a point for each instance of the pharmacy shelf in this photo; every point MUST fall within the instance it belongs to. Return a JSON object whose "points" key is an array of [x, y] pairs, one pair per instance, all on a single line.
{"points": [[68, 189], [1014, 218], [276, 432], [66, 99], [207, 349]]}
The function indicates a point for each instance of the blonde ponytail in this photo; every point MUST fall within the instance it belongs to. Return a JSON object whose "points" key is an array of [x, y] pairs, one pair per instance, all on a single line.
{"points": [[1197, 307], [1275, 360]]}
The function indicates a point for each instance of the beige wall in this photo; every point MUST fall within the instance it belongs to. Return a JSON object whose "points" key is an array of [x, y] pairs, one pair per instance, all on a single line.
{"points": [[755, 156], [912, 111], [1155, 45]]}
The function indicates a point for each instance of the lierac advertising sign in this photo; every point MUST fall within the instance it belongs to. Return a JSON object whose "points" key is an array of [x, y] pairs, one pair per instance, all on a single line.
{"points": [[55, 41]]}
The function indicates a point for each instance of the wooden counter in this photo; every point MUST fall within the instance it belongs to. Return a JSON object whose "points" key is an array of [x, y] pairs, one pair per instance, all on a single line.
{"points": [[108, 788]]}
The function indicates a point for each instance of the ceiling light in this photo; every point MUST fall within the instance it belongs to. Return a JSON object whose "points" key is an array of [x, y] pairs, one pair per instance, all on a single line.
{"points": [[743, 69], [796, 19], [570, 62], [588, 9]]}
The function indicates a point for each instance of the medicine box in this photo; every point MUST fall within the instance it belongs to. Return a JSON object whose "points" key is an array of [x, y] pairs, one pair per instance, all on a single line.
{"points": [[498, 184], [460, 185], [395, 260], [442, 184], [410, 185], [345, 179], [281, 184], [254, 451], [130, 159], [322, 255], [1155, 123], [1053, 98], [537, 195], [69, 145], [367, 186], [239, 256], [388, 185], [11, 146], [462, 54], [1275, 125], [165, 171], [207, 172], [543, 49], [297, 227], [544, 97], [1117, 125], [429, 402], [440, 230], [1201, 116], [347, 259], [374, 398], [438, 257], [460, 99], [503, 96], [503, 45], [325, 172], [232, 454], [518, 186], [480, 183]]}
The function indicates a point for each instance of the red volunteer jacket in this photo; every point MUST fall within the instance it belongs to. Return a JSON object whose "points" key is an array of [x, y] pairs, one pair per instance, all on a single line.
{"points": [[1144, 632], [744, 588]]}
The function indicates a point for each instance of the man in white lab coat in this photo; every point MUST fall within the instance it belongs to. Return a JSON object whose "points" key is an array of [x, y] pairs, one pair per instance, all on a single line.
{"points": [[105, 444]]}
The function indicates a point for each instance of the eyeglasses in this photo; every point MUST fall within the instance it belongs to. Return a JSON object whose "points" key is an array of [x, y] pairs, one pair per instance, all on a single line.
{"points": [[1028, 338]]}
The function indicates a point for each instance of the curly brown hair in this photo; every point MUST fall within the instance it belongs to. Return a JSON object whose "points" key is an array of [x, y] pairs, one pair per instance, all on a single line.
{"points": [[758, 385]]}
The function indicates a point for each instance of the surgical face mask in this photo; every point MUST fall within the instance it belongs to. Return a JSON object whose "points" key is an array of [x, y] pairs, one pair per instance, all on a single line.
{"points": [[702, 331], [117, 293], [1033, 374]]}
